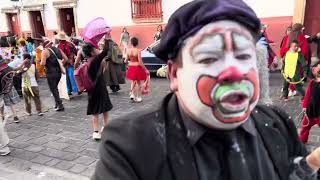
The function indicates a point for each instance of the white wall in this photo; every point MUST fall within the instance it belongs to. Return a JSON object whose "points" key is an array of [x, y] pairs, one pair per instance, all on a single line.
{"points": [[50, 17], [116, 12], [3, 18], [272, 8], [170, 6], [24, 21]]}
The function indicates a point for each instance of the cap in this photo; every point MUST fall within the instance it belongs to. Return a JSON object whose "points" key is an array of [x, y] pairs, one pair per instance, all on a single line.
{"points": [[191, 17]]}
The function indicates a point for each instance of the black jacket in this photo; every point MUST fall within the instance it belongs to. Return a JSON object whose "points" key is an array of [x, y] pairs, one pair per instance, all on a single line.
{"points": [[153, 145]]}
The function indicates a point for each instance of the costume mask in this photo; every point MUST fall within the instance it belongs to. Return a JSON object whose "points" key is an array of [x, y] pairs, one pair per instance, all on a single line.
{"points": [[218, 82]]}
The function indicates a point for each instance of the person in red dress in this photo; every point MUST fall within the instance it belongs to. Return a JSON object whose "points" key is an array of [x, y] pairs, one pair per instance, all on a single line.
{"points": [[311, 105], [136, 72]]}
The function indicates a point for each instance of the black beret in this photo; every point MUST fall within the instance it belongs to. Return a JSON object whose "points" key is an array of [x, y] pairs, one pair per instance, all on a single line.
{"points": [[191, 17]]}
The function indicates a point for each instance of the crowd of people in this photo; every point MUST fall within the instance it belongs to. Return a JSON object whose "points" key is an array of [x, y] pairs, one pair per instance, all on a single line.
{"points": [[66, 63], [299, 65]]}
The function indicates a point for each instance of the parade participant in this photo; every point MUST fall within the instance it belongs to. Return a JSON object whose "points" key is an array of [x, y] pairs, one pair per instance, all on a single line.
{"points": [[98, 98], [114, 75], [30, 87], [208, 127], [41, 73], [6, 76], [22, 45], [264, 35], [49, 59], [311, 104], [158, 34], [124, 40], [292, 63], [136, 72], [295, 34], [70, 51], [288, 31]]}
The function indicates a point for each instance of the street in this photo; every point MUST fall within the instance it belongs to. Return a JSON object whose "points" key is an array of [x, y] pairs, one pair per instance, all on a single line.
{"points": [[59, 144]]}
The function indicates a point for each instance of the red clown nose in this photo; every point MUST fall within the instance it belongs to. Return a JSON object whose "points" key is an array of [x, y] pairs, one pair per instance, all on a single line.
{"points": [[230, 75]]}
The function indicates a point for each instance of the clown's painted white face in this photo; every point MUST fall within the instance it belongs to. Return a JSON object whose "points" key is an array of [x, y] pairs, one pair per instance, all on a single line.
{"points": [[218, 81]]}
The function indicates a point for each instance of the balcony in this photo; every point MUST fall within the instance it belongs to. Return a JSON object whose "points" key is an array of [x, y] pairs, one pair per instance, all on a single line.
{"points": [[146, 11]]}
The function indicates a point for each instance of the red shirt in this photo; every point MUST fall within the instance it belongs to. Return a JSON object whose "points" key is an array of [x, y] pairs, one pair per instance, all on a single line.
{"points": [[303, 45]]}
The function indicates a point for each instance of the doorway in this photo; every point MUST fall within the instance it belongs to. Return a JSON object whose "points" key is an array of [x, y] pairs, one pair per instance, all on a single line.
{"points": [[13, 23], [312, 17], [67, 20], [36, 24]]}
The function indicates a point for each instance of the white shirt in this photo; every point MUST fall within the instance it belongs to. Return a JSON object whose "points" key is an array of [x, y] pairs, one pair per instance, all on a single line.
{"points": [[31, 72]]}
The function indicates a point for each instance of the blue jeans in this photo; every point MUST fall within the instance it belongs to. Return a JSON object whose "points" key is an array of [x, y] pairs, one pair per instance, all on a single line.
{"points": [[71, 83]]}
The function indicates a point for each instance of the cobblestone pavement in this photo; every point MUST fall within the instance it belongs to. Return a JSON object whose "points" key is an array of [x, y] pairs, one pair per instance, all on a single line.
{"points": [[59, 145]]}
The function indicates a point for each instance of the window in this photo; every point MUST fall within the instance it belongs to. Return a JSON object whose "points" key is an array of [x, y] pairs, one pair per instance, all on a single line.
{"points": [[146, 10]]}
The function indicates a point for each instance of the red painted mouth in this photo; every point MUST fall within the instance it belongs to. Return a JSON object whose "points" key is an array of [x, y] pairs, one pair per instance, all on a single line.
{"points": [[237, 99]]}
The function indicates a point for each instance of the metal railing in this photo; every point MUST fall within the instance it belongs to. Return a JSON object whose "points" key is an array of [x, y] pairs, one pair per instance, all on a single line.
{"points": [[146, 9]]}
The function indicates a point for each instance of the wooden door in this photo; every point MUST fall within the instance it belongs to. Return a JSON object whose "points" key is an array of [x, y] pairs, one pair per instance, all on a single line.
{"points": [[67, 20], [13, 23], [37, 24], [312, 17]]}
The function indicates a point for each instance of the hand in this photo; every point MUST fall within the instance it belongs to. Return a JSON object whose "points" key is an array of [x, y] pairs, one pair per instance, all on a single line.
{"points": [[318, 35], [304, 110], [313, 159], [147, 72]]}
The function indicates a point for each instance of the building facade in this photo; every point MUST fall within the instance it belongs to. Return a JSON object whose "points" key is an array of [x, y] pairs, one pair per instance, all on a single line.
{"points": [[140, 17]]}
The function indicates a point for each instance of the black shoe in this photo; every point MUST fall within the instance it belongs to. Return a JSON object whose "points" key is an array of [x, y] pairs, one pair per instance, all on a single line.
{"points": [[61, 108], [16, 119]]}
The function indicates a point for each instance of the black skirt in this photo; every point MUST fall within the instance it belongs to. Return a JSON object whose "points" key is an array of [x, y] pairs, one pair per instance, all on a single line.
{"points": [[98, 99]]}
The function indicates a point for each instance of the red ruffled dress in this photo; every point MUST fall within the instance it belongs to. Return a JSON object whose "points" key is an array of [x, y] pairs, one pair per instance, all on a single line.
{"points": [[136, 73]]}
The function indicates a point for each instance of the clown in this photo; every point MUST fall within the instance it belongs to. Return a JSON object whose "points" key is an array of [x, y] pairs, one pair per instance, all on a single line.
{"points": [[218, 83], [208, 127]]}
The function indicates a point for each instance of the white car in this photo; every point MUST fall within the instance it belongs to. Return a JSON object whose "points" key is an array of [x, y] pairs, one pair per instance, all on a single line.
{"points": [[151, 62]]}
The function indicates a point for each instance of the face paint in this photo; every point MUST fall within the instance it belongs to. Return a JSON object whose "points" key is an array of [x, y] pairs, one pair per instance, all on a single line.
{"points": [[218, 82]]}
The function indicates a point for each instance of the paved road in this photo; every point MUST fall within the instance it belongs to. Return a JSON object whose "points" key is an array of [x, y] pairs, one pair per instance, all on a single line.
{"points": [[59, 145]]}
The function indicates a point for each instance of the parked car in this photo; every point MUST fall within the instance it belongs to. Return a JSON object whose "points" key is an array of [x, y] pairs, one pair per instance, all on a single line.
{"points": [[151, 62]]}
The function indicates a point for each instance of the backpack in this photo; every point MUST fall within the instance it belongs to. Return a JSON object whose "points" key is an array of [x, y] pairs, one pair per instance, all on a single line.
{"points": [[82, 78], [116, 54]]}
